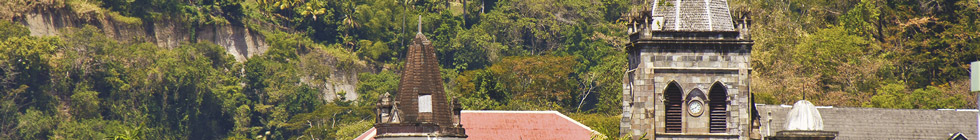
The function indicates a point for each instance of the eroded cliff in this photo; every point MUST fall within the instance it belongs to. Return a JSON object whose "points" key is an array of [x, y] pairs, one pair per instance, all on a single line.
{"points": [[238, 40]]}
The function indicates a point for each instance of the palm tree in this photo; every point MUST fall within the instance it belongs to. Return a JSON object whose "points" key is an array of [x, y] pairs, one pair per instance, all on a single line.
{"points": [[349, 24]]}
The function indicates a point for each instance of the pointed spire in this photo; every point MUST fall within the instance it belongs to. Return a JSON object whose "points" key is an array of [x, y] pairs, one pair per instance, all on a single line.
{"points": [[420, 98], [420, 24]]}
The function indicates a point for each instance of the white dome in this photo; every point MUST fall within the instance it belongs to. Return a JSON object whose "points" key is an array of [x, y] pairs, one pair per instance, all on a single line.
{"points": [[804, 116]]}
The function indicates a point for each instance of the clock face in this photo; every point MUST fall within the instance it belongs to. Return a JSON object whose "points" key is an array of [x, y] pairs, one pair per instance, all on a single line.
{"points": [[695, 108]]}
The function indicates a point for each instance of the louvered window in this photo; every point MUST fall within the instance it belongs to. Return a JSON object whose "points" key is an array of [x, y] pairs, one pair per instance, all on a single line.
{"points": [[718, 105], [673, 101]]}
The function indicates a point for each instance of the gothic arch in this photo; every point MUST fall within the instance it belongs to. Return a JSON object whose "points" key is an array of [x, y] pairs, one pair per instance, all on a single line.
{"points": [[695, 93], [718, 106], [673, 101]]}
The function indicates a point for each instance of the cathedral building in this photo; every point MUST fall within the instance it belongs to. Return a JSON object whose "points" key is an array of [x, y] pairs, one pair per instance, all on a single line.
{"points": [[688, 75], [688, 72]]}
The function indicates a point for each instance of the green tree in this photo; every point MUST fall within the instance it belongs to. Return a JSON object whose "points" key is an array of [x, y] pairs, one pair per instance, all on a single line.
{"points": [[895, 95], [91, 129], [537, 82], [26, 62], [331, 121], [891, 95], [10, 29], [862, 19], [479, 90], [370, 86], [85, 104], [821, 52], [35, 124]]}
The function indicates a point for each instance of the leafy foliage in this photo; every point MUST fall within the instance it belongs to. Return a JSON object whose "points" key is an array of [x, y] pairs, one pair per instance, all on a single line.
{"points": [[872, 53], [138, 90], [528, 55]]}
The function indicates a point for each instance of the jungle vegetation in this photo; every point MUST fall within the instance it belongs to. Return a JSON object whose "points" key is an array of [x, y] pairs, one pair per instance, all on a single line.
{"points": [[564, 55]]}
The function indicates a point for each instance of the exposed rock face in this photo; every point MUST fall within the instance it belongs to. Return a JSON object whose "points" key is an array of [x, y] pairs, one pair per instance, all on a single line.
{"points": [[237, 40], [341, 81]]}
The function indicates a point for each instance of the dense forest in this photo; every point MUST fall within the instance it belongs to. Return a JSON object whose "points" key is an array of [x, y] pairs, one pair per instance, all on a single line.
{"points": [[868, 53], [564, 55]]}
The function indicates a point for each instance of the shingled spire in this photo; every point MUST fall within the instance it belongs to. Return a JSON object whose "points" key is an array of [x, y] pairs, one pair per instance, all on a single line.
{"points": [[421, 105], [420, 24], [420, 89]]}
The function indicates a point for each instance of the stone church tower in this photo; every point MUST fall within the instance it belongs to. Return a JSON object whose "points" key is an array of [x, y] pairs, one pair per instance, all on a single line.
{"points": [[688, 72], [420, 109]]}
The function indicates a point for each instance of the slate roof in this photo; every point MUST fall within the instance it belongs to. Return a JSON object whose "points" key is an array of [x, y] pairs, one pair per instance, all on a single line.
{"points": [[516, 125], [695, 15], [879, 123]]}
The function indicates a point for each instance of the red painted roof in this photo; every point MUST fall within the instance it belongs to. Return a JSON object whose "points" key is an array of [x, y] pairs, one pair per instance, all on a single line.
{"points": [[516, 125]]}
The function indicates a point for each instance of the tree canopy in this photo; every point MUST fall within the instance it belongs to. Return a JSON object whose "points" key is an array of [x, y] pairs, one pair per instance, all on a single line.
{"points": [[564, 55]]}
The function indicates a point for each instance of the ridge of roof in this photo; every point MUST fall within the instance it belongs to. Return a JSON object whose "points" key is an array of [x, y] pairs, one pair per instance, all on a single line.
{"points": [[510, 111]]}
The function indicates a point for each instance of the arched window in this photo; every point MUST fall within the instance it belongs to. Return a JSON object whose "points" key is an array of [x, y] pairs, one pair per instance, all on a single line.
{"points": [[718, 104], [674, 98]]}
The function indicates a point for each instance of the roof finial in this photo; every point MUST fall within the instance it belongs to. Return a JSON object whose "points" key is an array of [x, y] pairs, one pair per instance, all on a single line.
{"points": [[420, 24]]}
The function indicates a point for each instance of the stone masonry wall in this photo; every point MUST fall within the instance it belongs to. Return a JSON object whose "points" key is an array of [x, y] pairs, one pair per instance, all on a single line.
{"points": [[692, 67]]}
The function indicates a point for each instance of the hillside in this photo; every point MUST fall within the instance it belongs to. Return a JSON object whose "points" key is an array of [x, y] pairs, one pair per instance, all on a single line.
{"points": [[290, 69], [868, 53]]}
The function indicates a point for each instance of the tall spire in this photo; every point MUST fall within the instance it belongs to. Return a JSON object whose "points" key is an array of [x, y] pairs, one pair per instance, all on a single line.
{"points": [[420, 24], [420, 108], [421, 80]]}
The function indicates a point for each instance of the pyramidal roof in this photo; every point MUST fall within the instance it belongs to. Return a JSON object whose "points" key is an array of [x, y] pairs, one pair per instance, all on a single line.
{"points": [[420, 108], [419, 77], [692, 15]]}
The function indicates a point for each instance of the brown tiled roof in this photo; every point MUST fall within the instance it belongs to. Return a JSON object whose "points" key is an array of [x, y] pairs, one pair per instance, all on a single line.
{"points": [[879, 123], [516, 125], [421, 77], [420, 107]]}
